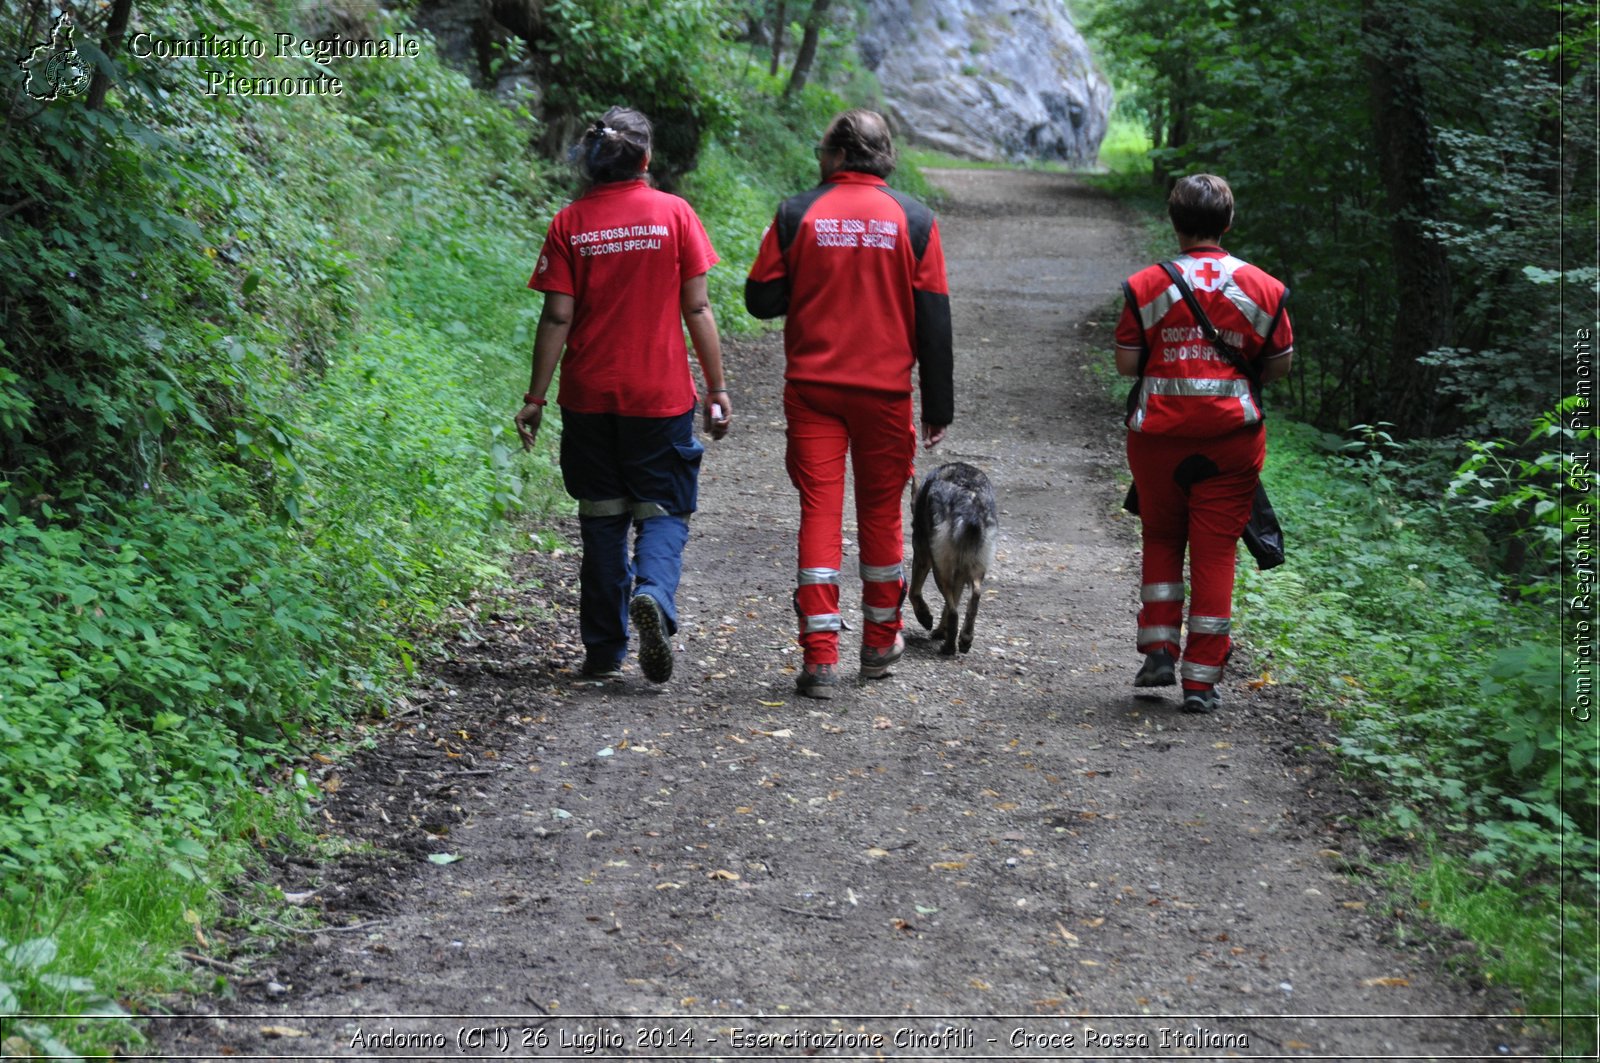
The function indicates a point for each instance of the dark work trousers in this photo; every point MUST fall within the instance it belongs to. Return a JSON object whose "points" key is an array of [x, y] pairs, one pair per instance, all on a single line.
{"points": [[638, 472]]}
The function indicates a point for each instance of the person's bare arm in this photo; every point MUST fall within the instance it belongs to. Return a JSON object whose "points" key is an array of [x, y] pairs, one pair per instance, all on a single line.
{"points": [[695, 302], [555, 321]]}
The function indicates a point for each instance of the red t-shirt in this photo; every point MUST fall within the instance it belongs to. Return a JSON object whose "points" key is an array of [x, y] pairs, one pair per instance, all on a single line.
{"points": [[623, 251]]}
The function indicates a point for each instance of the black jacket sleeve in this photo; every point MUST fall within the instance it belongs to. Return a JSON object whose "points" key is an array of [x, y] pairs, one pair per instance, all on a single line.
{"points": [[935, 357]]}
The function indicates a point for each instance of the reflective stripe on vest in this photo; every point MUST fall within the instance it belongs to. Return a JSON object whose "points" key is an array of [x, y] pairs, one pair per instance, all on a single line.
{"points": [[1210, 625], [883, 573], [1192, 387], [821, 622], [1161, 592], [812, 576]]}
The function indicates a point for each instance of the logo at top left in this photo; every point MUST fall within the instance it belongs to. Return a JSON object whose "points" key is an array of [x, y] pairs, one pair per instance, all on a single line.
{"points": [[55, 69]]}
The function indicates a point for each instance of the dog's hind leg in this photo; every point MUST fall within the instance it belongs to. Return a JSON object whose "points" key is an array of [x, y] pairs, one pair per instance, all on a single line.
{"points": [[920, 566], [950, 621], [972, 615]]}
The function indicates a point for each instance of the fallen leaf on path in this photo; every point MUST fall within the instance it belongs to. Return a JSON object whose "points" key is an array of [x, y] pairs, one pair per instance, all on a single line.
{"points": [[723, 875], [948, 865], [282, 1031], [882, 723], [1371, 982], [877, 853], [979, 983], [902, 924], [1265, 680], [1298, 1046], [669, 885], [770, 704], [443, 858]]}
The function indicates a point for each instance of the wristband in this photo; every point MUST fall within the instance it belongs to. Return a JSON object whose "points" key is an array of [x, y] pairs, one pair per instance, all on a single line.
{"points": [[530, 399]]}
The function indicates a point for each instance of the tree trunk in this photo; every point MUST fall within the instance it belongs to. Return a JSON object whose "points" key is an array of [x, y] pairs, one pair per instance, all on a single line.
{"points": [[808, 48], [1407, 164], [780, 22], [115, 29]]}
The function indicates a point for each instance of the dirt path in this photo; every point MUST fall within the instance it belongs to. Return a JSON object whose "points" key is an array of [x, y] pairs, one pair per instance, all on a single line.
{"points": [[1002, 854]]}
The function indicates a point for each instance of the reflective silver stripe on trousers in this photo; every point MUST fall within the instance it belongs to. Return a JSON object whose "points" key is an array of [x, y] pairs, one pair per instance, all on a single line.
{"points": [[810, 576], [883, 573], [1201, 673], [822, 622], [646, 510], [1210, 625], [1161, 592], [603, 507], [880, 614], [1147, 635]]}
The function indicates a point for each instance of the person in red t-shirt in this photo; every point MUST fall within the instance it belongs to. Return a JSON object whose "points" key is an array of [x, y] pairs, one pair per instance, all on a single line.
{"points": [[618, 269], [859, 271], [1196, 440]]}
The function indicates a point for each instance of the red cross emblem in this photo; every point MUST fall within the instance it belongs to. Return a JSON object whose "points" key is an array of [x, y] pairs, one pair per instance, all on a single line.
{"points": [[1207, 276]]}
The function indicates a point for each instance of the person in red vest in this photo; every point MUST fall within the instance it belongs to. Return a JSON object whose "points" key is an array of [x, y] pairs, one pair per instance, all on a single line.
{"points": [[620, 266], [858, 269], [1196, 440]]}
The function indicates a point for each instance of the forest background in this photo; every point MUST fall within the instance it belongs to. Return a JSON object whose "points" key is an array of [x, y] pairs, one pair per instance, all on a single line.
{"points": [[217, 309]]}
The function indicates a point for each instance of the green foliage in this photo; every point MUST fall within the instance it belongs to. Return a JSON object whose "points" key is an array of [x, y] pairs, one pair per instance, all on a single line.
{"points": [[656, 57], [1223, 86], [1519, 931], [1443, 686], [1530, 495], [255, 415]]}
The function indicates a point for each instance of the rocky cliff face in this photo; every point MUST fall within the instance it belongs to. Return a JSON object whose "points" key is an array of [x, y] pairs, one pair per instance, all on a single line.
{"points": [[988, 79]]}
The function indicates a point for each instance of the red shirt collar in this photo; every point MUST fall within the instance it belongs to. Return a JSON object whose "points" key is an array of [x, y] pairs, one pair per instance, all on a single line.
{"points": [[613, 187], [855, 177]]}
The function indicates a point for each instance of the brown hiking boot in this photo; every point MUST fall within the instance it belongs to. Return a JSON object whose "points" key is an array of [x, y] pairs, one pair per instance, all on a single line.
{"points": [[816, 681], [875, 661]]}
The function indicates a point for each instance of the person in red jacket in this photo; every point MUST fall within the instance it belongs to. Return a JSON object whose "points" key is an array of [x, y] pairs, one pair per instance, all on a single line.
{"points": [[619, 268], [858, 269], [1196, 440]]}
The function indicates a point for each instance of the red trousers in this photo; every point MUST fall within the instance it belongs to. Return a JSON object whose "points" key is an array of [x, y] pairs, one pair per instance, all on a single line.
{"points": [[1195, 493], [824, 423]]}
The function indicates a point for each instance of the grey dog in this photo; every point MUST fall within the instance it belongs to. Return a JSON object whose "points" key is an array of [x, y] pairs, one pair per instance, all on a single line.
{"points": [[954, 528]]}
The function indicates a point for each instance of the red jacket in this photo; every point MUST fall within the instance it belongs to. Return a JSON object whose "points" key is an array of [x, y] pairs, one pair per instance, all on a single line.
{"points": [[859, 270], [1187, 388]]}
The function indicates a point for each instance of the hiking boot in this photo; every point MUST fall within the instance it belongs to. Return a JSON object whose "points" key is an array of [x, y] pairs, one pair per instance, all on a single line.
{"points": [[603, 669], [1158, 670], [875, 661], [1201, 701], [655, 651], [816, 681]]}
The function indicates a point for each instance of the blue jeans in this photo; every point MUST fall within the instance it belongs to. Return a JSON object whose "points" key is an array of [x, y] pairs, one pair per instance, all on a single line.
{"points": [[639, 472]]}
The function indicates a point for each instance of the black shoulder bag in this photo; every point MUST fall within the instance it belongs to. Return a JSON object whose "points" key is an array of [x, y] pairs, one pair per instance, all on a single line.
{"points": [[1263, 536]]}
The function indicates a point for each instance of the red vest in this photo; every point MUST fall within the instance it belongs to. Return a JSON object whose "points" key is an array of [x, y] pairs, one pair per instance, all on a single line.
{"points": [[1188, 388]]}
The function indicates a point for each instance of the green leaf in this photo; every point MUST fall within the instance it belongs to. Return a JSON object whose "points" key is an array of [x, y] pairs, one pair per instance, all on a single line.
{"points": [[33, 954], [443, 858]]}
